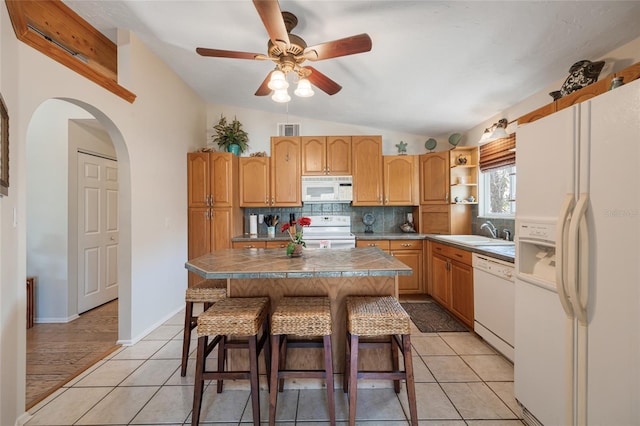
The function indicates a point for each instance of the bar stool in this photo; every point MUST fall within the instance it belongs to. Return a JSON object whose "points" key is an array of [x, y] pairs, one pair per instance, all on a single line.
{"points": [[303, 317], [370, 316], [207, 292], [232, 317]]}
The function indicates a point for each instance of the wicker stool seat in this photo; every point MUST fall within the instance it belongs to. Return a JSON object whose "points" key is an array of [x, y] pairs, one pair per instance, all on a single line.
{"points": [[375, 316], [241, 317], [207, 292], [303, 317]]}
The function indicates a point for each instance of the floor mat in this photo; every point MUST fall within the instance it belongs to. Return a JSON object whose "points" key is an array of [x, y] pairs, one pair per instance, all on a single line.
{"points": [[429, 317]]}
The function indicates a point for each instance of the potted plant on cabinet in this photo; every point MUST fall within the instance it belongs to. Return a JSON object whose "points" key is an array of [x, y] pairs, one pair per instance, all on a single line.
{"points": [[230, 136]]}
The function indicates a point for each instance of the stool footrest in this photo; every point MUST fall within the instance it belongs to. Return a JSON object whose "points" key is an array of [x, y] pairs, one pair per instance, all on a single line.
{"points": [[302, 374]]}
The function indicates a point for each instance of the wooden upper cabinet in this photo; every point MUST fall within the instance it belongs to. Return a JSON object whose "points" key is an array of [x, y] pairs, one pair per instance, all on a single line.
{"points": [[434, 178], [400, 180], [326, 155], [584, 94], [254, 181], [339, 155], [198, 179], [366, 165], [223, 178], [286, 190], [314, 155]]}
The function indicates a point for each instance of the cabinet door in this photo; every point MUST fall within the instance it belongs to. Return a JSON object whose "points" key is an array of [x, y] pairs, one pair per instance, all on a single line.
{"points": [[366, 154], [410, 284], [254, 181], [286, 190], [220, 226], [462, 292], [199, 241], [222, 178], [435, 219], [314, 155], [339, 155], [434, 178], [400, 180], [440, 280], [198, 179]]}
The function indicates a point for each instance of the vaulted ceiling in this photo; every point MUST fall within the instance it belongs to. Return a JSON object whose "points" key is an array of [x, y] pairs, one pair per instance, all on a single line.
{"points": [[436, 67]]}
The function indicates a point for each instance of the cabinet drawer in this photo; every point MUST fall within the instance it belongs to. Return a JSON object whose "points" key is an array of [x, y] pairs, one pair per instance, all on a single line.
{"points": [[381, 244], [405, 244], [454, 253], [249, 244], [276, 244]]}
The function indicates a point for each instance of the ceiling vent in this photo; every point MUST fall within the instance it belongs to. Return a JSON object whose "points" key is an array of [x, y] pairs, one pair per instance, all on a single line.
{"points": [[288, 129]]}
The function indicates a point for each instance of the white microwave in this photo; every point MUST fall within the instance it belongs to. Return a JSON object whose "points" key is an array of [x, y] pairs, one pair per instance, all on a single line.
{"points": [[327, 189]]}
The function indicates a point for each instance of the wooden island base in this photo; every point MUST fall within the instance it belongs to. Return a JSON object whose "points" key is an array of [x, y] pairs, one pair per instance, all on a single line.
{"points": [[337, 289]]}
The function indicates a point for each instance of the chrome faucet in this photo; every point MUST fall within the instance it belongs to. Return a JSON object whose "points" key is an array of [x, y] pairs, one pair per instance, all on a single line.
{"points": [[507, 234], [491, 228]]}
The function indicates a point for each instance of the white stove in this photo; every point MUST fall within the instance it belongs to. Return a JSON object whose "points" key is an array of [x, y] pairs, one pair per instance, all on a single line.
{"points": [[329, 232]]}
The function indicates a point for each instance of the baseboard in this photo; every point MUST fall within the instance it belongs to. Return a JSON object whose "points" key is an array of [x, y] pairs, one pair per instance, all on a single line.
{"points": [[56, 320], [149, 329], [23, 419]]}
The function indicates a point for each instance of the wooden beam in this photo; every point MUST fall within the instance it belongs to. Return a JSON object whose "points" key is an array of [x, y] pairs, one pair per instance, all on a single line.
{"points": [[52, 28]]}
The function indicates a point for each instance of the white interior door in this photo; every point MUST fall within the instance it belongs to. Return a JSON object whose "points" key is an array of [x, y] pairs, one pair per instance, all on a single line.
{"points": [[98, 231]]}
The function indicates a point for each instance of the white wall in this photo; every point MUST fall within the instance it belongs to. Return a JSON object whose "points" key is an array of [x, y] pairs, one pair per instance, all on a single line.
{"points": [[262, 125], [616, 60], [151, 137]]}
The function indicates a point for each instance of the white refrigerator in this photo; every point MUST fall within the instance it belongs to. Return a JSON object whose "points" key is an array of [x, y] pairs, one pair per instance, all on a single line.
{"points": [[577, 291]]}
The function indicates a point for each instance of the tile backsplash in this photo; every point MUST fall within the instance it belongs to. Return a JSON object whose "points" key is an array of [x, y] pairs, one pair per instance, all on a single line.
{"points": [[387, 219], [500, 224]]}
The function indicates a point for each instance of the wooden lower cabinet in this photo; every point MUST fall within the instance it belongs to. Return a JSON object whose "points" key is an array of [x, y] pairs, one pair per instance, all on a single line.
{"points": [[408, 252], [451, 280]]}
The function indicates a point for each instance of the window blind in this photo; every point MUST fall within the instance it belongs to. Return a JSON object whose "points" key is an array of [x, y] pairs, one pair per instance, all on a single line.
{"points": [[499, 153]]}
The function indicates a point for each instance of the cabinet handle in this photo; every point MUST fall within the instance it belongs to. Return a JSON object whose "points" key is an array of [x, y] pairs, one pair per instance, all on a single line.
{"points": [[380, 199], [211, 214], [386, 200], [272, 201], [446, 196], [406, 245]]}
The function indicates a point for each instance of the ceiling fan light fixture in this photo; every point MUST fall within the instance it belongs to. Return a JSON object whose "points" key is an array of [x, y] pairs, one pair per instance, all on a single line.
{"points": [[304, 89], [280, 96], [278, 81]]}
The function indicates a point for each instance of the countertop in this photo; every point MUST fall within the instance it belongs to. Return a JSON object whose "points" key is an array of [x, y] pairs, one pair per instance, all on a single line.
{"points": [[506, 253], [274, 263]]}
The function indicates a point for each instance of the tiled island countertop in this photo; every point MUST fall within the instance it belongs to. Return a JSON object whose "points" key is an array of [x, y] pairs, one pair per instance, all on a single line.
{"points": [[274, 263]]}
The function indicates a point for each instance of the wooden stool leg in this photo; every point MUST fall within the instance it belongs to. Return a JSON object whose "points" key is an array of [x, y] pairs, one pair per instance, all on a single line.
{"points": [[255, 386], [283, 360], [395, 363], [186, 338], [347, 363], [222, 357], [199, 381], [411, 387], [353, 379], [273, 391], [328, 367]]}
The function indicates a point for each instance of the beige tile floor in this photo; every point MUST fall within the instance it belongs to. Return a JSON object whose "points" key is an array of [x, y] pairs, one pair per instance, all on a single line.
{"points": [[459, 381]]}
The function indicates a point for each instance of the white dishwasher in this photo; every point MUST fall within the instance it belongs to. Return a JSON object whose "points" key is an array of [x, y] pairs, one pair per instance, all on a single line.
{"points": [[494, 302]]}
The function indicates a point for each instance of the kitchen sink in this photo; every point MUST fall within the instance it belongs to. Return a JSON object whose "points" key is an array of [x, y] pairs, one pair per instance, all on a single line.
{"points": [[475, 240]]}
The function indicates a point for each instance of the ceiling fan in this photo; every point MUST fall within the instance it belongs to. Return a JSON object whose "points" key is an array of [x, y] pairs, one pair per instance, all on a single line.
{"points": [[288, 51]]}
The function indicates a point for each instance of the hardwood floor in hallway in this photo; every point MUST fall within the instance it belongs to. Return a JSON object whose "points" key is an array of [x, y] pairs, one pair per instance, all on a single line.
{"points": [[56, 353]]}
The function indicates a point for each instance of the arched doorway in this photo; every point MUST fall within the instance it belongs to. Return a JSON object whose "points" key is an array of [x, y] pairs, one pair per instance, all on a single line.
{"points": [[62, 132]]}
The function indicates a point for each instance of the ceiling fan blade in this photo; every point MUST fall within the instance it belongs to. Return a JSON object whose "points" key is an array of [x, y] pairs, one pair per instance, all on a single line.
{"points": [[271, 15], [264, 90], [217, 53], [345, 46], [322, 82]]}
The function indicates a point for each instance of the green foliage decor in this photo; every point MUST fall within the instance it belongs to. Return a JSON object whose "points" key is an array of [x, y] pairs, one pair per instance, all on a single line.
{"points": [[230, 133]]}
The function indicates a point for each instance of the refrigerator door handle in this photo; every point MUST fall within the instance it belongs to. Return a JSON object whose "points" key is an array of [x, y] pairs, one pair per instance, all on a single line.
{"points": [[577, 264], [561, 270]]}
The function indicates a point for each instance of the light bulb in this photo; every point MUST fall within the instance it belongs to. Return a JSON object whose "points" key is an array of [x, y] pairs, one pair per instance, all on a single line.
{"points": [[277, 81], [304, 89], [281, 96]]}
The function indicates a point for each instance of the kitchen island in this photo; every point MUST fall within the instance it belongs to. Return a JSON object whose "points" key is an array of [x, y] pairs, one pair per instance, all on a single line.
{"points": [[333, 273]]}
